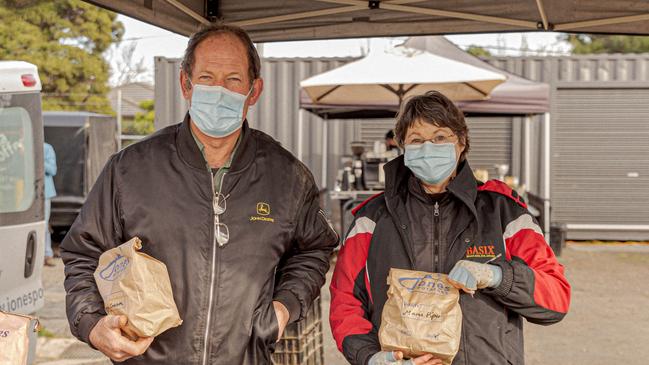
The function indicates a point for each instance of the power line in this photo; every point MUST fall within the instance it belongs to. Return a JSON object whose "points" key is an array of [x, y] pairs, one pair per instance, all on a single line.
{"points": [[539, 52], [131, 39]]}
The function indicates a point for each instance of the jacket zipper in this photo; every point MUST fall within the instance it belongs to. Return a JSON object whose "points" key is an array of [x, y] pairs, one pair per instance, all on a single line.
{"points": [[213, 275], [437, 234]]}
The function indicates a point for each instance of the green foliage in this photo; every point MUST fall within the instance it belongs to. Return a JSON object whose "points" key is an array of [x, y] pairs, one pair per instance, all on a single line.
{"points": [[478, 51], [143, 123], [66, 39], [44, 332], [595, 43]]}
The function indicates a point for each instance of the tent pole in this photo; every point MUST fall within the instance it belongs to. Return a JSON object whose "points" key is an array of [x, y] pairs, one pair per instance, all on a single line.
{"points": [[303, 15], [119, 119], [180, 6], [325, 141], [544, 17], [454, 14], [600, 22], [546, 175], [526, 151], [300, 132], [396, 6]]}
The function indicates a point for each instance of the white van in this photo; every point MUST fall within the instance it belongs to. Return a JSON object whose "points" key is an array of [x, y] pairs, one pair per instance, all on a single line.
{"points": [[22, 224]]}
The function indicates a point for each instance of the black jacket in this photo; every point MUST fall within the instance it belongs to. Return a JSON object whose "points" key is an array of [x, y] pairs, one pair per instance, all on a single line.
{"points": [[488, 219], [161, 191]]}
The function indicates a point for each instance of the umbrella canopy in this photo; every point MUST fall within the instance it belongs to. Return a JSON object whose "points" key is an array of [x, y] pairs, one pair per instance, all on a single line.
{"points": [[386, 78], [282, 20]]}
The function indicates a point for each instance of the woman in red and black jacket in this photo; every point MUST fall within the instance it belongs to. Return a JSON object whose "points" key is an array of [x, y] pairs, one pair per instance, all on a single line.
{"points": [[435, 217]]}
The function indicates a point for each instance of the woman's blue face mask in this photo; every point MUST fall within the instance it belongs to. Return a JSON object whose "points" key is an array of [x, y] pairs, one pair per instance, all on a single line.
{"points": [[217, 111], [431, 162]]}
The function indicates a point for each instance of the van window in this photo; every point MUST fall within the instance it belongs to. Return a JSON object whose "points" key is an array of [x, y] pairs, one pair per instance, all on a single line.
{"points": [[16, 160]]}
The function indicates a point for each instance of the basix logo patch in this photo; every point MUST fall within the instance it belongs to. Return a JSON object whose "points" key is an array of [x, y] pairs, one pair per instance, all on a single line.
{"points": [[481, 251]]}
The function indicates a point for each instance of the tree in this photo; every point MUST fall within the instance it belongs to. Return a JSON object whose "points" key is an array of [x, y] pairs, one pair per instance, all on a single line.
{"points": [[478, 51], [128, 69], [143, 123], [596, 43], [66, 39]]}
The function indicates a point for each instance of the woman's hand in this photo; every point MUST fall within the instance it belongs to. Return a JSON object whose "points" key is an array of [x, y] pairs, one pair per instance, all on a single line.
{"points": [[396, 358], [469, 276]]}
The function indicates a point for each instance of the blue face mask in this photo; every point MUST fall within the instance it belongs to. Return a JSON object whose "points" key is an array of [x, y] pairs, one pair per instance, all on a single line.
{"points": [[431, 162], [217, 111]]}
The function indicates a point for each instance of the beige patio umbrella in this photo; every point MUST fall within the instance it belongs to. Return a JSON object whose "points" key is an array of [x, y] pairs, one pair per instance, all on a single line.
{"points": [[387, 78]]}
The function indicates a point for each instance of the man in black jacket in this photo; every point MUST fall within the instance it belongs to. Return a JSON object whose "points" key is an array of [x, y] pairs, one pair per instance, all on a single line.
{"points": [[233, 215]]}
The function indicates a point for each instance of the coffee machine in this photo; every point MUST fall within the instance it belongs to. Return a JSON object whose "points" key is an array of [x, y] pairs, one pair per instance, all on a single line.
{"points": [[357, 165]]}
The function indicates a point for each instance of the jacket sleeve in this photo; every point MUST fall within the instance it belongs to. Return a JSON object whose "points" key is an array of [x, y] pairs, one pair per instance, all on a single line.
{"points": [[533, 283], [302, 272], [50, 160], [96, 229], [351, 296]]}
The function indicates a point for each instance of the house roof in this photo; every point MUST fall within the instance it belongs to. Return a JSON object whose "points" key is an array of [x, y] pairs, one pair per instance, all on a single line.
{"points": [[132, 95]]}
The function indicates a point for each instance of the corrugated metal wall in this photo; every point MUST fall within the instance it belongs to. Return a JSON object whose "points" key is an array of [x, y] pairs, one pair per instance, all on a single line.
{"points": [[601, 156], [585, 68], [277, 114], [600, 141], [490, 143]]}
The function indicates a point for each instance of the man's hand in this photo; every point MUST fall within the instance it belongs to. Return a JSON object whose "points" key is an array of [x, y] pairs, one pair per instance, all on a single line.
{"points": [[107, 337], [282, 317], [396, 358], [469, 276]]}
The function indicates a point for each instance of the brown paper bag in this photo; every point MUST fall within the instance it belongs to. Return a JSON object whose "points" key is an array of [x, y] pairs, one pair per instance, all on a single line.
{"points": [[14, 337], [136, 285], [422, 315]]}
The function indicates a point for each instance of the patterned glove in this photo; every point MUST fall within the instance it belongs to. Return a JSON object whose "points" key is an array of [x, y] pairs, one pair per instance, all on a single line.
{"points": [[469, 276]]}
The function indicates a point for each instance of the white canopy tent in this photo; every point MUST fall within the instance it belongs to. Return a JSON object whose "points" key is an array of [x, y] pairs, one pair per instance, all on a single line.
{"points": [[283, 20]]}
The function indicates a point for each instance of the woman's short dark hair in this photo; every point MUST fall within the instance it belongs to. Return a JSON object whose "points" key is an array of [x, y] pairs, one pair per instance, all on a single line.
{"points": [[434, 108], [254, 63]]}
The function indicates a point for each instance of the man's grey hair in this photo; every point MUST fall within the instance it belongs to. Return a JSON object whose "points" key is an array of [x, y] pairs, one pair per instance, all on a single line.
{"points": [[254, 63]]}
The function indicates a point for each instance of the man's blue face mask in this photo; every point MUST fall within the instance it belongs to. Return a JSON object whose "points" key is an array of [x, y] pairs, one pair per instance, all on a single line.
{"points": [[431, 162], [217, 111]]}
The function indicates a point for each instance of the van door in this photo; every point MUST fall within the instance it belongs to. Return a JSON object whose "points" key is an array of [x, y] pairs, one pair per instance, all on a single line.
{"points": [[22, 225]]}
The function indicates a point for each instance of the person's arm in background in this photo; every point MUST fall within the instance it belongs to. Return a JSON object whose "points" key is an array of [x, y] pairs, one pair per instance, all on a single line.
{"points": [[50, 160], [351, 298], [96, 229], [302, 273]]}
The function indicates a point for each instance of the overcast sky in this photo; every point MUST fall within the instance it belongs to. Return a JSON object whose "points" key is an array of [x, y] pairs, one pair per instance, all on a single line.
{"points": [[152, 41]]}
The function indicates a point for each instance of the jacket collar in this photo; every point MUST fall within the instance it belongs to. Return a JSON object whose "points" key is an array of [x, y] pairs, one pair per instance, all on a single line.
{"points": [[463, 186], [191, 154]]}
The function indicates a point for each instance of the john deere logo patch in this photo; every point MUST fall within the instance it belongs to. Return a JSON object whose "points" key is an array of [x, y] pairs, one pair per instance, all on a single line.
{"points": [[263, 209], [263, 212]]}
